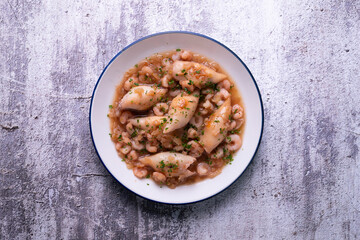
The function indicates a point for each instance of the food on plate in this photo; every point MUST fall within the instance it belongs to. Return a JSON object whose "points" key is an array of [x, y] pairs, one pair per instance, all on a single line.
{"points": [[177, 118]]}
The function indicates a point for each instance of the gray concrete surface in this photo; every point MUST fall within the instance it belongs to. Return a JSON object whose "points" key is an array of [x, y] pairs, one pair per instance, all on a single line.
{"points": [[304, 182]]}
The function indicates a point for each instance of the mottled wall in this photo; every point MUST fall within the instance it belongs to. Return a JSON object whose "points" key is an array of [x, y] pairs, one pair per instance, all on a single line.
{"points": [[304, 182]]}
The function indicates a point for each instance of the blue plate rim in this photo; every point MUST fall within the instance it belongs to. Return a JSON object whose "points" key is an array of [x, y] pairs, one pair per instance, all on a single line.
{"points": [[174, 32]]}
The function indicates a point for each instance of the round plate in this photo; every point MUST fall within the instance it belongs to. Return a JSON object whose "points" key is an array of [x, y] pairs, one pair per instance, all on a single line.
{"points": [[104, 92]]}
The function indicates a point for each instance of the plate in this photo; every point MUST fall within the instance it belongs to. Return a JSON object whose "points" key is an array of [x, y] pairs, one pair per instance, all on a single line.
{"points": [[104, 92]]}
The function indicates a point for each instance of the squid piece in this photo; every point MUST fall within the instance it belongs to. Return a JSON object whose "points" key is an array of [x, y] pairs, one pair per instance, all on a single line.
{"points": [[195, 73], [142, 98], [215, 128], [170, 164], [182, 109], [147, 123]]}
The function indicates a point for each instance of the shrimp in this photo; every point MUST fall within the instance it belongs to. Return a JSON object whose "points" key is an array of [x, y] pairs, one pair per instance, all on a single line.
{"points": [[159, 177], [220, 97], [165, 81], [137, 145], [125, 116], [131, 82], [219, 153], [234, 142], [237, 111], [203, 169], [133, 155], [151, 146], [236, 124], [160, 109], [174, 93], [140, 172], [125, 149], [129, 128], [186, 55], [206, 107], [224, 84], [192, 133], [196, 149]]}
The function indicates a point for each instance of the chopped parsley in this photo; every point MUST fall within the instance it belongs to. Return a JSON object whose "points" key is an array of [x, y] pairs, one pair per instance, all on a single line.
{"points": [[134, 133], [178, 49], [110, 106]]}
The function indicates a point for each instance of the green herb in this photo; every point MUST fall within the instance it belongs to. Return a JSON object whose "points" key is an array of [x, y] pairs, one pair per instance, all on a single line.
{"points": [[197, 72], [178, 49], [136, 84], [216, 121], [110, 134], [130, 80], [235, 131], [186, 146], [148, 176], [212, 86], [202, 132], [110, 106], [162, 164], [229, 158], [134, 133], [136, 65], [183, 70]]}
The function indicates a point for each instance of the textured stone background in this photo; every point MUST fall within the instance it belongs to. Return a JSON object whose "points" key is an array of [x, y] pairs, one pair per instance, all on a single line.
{"points": [[304, 182]]}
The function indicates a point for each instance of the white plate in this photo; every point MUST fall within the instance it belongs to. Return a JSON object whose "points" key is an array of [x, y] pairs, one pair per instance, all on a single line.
{"points": [[104, 92]]}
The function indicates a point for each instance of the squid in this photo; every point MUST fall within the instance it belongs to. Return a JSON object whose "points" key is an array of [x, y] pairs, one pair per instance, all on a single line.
{"points": [[148, 123], [171, 164], [142, 98], [182, 108], [215, 129], [195, 73]]}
